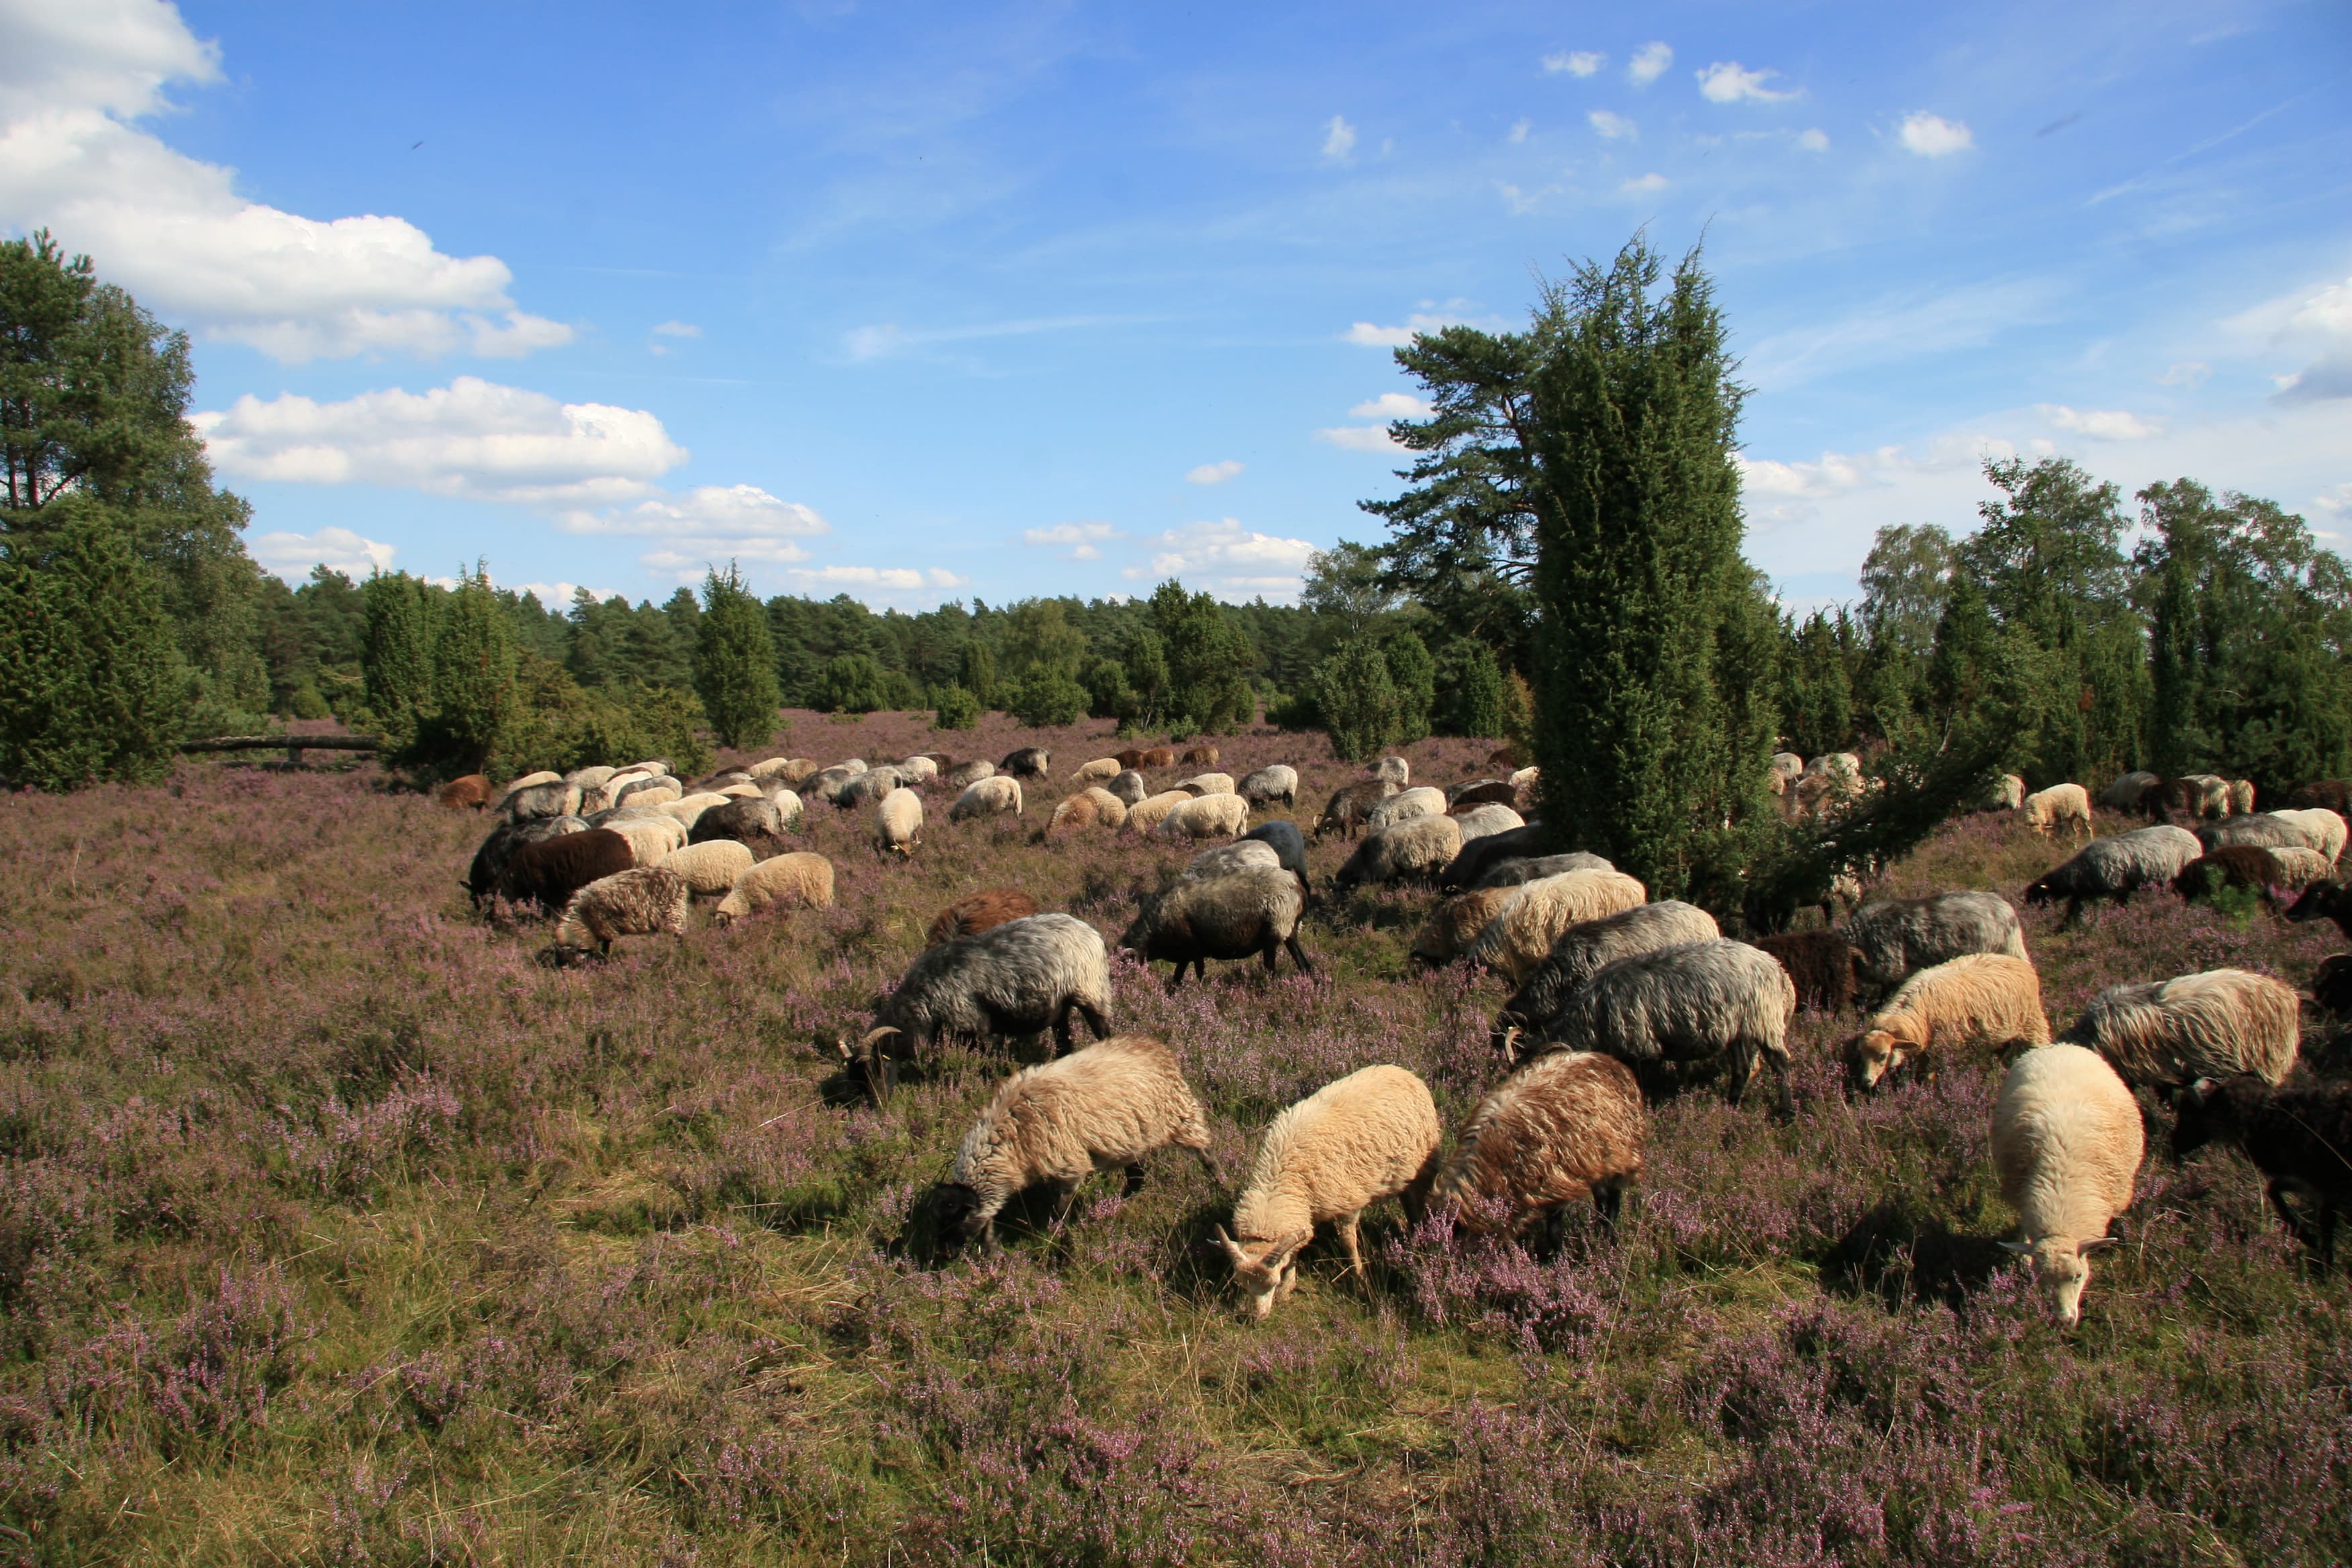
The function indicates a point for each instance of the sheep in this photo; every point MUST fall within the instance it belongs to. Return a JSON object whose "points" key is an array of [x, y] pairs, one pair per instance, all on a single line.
{"points": [[2116, 867], [691, 808], [2298, 1137], [1208, 783], [1566, 1128], [754, 819], [996, 795], [1241, 855], [646, 789], [2335, 795], [1251, 912], [1456, 923], [1288, 844], [1086, 809], [2045, 809], [650, 838], [1269, 784], [1145, 816], [798, 880], [2067, 1143], [653, 766], [711, 867], [1026, 762], [2006, 793], [1680, 1013], [1349, 808], [1394, 770], [2321, 902], [1540, 913], [1893, 938], [2234, 866], [1526, 779], [743, 791], [1405, 806], [2242, 797], [1986, 999], [588, 778], [1106, 1107], [645, 902], [917, 770], [1130, 759], [549, 872], [1462, 797], [1202, 755], [1518, 872], [470, 792], [2331, 985], [964, 776], [1015, 979], [502, 843], [1477, 856], [1503, 757], [2263, 830], [1583, 951], [868, 788], [528, 781], [550, 797], [1820, 963], [827, 784], [2325, 830], [1096, 771], [1486, 821], [1156, 757], [977, 913], [2169, 1032], [1370, 1135], [898, 823], [1209, 816], [780, 767], [1419, 847], [1129, 787], [1787, 769], [2127, 792]]}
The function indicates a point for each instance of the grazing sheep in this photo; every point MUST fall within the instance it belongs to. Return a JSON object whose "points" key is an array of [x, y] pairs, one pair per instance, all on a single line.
{"points": [[898, 823], [2068, 803], [502, 844], [1540, 913], [651, 839], [549, 872], [753, 819], [1567, 1128], [1209, 816], [1526, 779], [689, 809], [1787, 769], [1372, 1135], [1820, 963], [646, 789], [2234, 866], [1147, 815], [2334, 794], [1027, 763], [1350, 807], [2211, 1024], [588, 778], [2067, 1143], [1580, 953], [2116, 867], [1487, 821], [1106, 1107], [1097, 770], [1156, 757], [2127, 793], [1018, 978], [1288, 844], [2205, 796], [1406, 805], [1455, 924], [2320, 901], [645, 902], [1208, 783], [710, 868], [1516, 873], [1699, 1009], [2008, 794], [550, 797], [783, 767], [528, 781], [1986, 999], [2263, 830], [798, 880], [468, 794], [743, 791], [918, 769], [1503, 757], [1461, 797], [2242, 797], [2331, 985], [1129, 787], [2298, 1137], [868, 788], [1477, 856], [1203, 755], [968, 773], [997, 795], [653, 766], [2324, 829], [1251, 913], [1395, 770], [1269, 784], [1241, 855], [827, 785], [1131, 758], [1086, 808], [977, 913], [1894, 938], [1419, 847]]}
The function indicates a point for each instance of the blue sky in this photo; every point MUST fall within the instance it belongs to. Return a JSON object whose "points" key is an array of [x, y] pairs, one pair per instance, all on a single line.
{"points": [[925, 303]]}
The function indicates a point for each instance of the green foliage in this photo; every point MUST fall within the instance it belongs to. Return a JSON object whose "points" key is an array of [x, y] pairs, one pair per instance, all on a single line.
{"points": [[735, 661], [1357, 696], [557, 723], [91, 685], [474, 681], [1208, 661], [1817, 684], [1414, 675], [976, 672], [850, 684], [1047, 697], [1471, 696], [398, 657], [955, 709]]}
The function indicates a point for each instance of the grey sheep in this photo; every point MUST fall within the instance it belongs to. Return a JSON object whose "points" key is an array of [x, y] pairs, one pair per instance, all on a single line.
{"points": [[1516, 873], [1289, 844], [1269, 784], [1678, 1013], [1895, 937], [2116, 868], [2171, 1032], [1583, 951], [1462, 872], [868, 788], [1395, 770], [551, 798], [1406, 805], [745, 821], [1250, 912], [1349, 808], [1019, 978], [645, 902], [1129, 786], [1103, 1107], [1417, 848], [1226, 859], [1567, 1128], [965, 776], [1487, 821], [996, 795], [828, 785]]}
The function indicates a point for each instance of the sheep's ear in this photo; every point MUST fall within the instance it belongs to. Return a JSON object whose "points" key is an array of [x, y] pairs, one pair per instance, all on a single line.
{"points": [[2095, 1244], [2021, 1249]]}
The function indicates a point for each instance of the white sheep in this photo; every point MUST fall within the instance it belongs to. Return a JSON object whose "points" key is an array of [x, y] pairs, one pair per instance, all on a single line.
{"points": [[1207, 784], [996, 795], [2323, 829], [1417, 848], [2211, 1024], [2242, 797], [710, 867], [651, 839], [1102, 769], [1145, 816], [1270, 784], [1088, 808], [1787, 769], [917, 770], [1981, 1000], [1206, 817], [1484, 821], [686, 808], [2067, 1145], [1539, 912], [898, 823], [2069, 803], [645, 902], [2126, 793], [1226, 859], [798, 880], [1526, 779], [1105, 1106], [1457, 923], [1373, 1134], [1394, 770], [1406, 805]]}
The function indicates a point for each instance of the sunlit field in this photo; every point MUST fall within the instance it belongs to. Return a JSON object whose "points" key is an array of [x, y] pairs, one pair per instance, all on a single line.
{"points": [[337, 1227]]}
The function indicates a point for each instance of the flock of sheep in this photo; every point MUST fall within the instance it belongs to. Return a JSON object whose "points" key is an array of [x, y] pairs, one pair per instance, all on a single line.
{"points": [[1618, 1001]]}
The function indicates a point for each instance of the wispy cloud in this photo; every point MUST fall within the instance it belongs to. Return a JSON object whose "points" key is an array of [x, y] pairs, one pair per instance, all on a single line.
{"points": [[1813, 141], [887, 339], [1897, 328], [2100, 423], [1648, 64], [1645, 184], [1729, 81], [1082, 540], [677, 329], [1338, 139], [1575, 62], [1614, 127], [1213, 473], [1430, 319]]}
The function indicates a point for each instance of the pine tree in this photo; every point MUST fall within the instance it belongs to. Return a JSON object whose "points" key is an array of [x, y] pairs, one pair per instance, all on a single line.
{"points": [[397, 660], [474, 686], [735, 661]]}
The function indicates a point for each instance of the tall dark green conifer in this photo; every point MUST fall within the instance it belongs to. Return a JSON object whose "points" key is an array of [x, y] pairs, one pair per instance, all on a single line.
{"points": [[735, 661], [474, 668], [398, 658]]}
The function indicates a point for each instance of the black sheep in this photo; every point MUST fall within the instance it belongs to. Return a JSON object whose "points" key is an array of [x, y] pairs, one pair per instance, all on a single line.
{"points": [[1290, 844], [2300, 1136], [1821, 962], [549, 873], [1028, 763], [504, 842], [2324, 902], [1478, 855], [2331, 985], [1481, 791], [2335, 794]]}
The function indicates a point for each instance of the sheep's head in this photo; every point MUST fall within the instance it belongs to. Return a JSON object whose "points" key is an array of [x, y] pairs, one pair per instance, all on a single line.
{"points": [[1266, 1270], [1872, 1055], [2208, 1109], [1509, 1040], [2061, 1268], [958, 1211]]}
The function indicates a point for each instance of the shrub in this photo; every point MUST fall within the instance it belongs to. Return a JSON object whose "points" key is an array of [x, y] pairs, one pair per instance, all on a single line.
{"points": [[1048, 699], [1470, 698], [955, 709], [1358, 700], [1414, 675], [852, 683]]}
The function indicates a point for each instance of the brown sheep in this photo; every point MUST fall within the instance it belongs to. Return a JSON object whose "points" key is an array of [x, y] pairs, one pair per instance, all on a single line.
{"points": [[1567, 1127], [549, 873], [1157, 757], [1821, 962], [977, 913], [1350, 807], [472, 793], [1204, 755], [2232, 866], [1454, 924]]}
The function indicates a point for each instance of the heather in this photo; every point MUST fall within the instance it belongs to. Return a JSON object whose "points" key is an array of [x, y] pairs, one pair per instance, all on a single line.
{"points": [[336, 1227]]}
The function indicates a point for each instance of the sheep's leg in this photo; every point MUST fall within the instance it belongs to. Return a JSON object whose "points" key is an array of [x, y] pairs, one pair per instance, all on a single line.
{"points": [[1269, 952], [2298, 1224], [1786, 1106], [1347, 1229], [1176, 980], [1297, 954], [1608, 1200], [1094, 1019], [1209, 1163], [1134, 1184], [1066, 1198], [1065, 1037]]}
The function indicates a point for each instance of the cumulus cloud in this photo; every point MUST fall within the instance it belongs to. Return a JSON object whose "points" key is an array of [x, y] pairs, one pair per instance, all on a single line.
{"points": [[2315, 321], [1228, 560], [1392, 405], [1814, 140], [1082, 539], [1213, 473], [1575, 62], [558, 596], [2100, 423], [472, 439], [1648, 64], [1338, 139], [76, 82], [1644, 185], [1615, 127], [1360, 438], [1729, 81], [292, 555], [703, 526], [1933, 136], [1430, 318]]}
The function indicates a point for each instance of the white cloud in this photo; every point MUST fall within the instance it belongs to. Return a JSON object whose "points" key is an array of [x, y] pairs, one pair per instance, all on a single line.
{"points": [[1933, 136], [2100, 423], [2188, 373], [472, 439], [1519, 129], [1615, 127], [1644, 185], [706, 525], [1728, 82], [1648, 64], [677, 329], [291, 555], [1360, 438], [1228, 560], [1813, 141], [1338, 139], [2315, 321], [1082, 539], [1368, 334], [1213, 473], [1575, 62], [903, 578], [76, 79], [558, 596], [1392, 405]]}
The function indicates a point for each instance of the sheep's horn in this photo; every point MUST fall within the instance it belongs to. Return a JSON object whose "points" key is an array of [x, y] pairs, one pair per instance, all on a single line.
{"points": [[1233, 1249], [2018, 1246]]}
